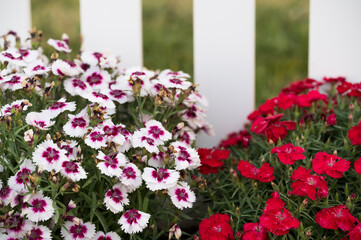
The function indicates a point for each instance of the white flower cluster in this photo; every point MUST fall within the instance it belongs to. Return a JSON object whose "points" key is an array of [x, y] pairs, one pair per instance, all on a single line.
{"points": [[98, 79]]}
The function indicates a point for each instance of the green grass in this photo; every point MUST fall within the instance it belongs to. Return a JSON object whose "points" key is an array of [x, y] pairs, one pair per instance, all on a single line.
{"points": [[281, 36]]}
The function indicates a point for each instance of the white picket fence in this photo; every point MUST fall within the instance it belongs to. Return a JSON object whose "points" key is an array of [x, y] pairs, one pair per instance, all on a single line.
{"points": [[224, 46]]}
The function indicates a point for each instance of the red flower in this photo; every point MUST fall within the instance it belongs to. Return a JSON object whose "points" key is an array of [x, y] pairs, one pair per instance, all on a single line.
{"points": [[357, 166], [211, 159], [254, 231], [333, 166], [267, 107], [216, 227], [233, 139], [263, 174], [350, 89], [334, 80], [276, 218], [254, 115], [306, 100], [300, 86], [354, 134], [289, 154], [355, 233], [336, 217], [285, 101], [308, 185], [331, 119]]}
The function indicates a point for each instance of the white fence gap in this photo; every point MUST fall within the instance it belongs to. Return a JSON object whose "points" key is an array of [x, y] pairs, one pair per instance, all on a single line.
{"points": [[224, 63], [115, 25], [335, 39], [15, 15]]}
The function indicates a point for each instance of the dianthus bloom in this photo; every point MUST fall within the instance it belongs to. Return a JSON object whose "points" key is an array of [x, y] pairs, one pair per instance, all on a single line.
{"points": [[134, 221], [333, 166], [254, 231], [336, 217], [216, 227], [276, 218], [233, 139], [308, 185], [211, 159], [355, 233], [263, 174], [289, 154], [354, 134], [357, 165]]}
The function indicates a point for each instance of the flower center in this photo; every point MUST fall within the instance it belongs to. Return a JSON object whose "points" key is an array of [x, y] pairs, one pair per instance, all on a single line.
{"points": [[175, 81], [40, 123], [148, 140], [70, 167], [58, 105], [22, 176], [116, 195], [14, 79], [38, 205], [78, 231], [100, 95], [36, 234], [78, 122], [129, 172], [96, 136], [94, 79], [51, 154], [155, 131], [181, 194], [161, 174], [132, 216], [38, 67], [117, 93], [79, 83]]}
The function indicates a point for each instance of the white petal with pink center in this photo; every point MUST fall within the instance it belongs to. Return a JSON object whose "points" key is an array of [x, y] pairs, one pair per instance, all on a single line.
{"points": [[91, 58], [65, 68], [142, 139], [185, 135], [40, 120], [120, 96], [40, 209], [97, 79], [13, 82], [156, 160], [109, 236], [28, 56], [70, 146], [60, 106], [194, 116], [117, 198], [156, 130], [197, 99], [20, 180], [113, 133], [77, 124], [6, 195], [39, 232], [167, 73], [110, 164], [139, 76], [36, 68], [128, 136], [175, 82], [20, 226], [49, 156], [75, 86], [96, 139], [134, 221], [182, 196], [59, 45], [185, 157], [161, 178], [81, 231], [73, 171], [15, 106], [131, 177]]}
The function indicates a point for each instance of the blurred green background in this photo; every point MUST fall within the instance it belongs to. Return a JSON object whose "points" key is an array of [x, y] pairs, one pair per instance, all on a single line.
{"points": [[281, 36]]}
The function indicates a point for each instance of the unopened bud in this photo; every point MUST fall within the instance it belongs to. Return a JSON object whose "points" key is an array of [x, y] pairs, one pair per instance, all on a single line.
{"points": [[352, 107]]}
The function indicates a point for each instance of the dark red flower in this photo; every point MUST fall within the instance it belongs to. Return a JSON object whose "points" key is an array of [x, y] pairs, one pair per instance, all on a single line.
{"points": [[331, 119], [336, 217], [350, 89], [306, 100], [357, 165], [289, 154], [263, 174], [355, 233], [267, 107], [211, 159], [254, 231], [243, 137], [276, 218], [308, 185], [354, 134], [329, 164], [216, 227], [334, 79], [300, 86], [254, 115], [285, 101]]}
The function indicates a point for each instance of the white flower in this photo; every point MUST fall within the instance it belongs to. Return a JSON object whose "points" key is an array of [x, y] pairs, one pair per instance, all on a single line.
{"points": [[49, 156], [194, 116], [131, 177], [96, 139], [91, 58], [156, 130], [59, 45], [18, 105], [116, 199], [60, 106], [186, 135], [175, 82], [142, 139], [12, 56], [79, 231], [65, 68], [39, 120], [97, 79], [70, 147], [97, 97], [185, 157], [109, 236], [6, 195], [40, 209], [161, 178], [138, 76], [167, 73], [120, 96], [20, 228], [76, 86], [134, 221], [77, 124], [20, 179], [110, 164], [40, 232], [13, 82], [72, 170], [113, 132], [29, 136], [182, 196], [36, 68], [156, 160]]}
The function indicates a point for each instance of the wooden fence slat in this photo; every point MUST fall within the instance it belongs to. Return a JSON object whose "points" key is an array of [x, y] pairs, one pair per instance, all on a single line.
{"points": [[115, 25], [224, 62], [335, 39], [15, 15]]}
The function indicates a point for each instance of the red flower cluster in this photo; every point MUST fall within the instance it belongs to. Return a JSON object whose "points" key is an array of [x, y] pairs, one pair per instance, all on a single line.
{"points": [[276, 218], [216, 227], [211, 159], [272, 127], [354, 134], [288, 153], [336, 217], [254, 231], [329, 164], [308, 185], [300, 86], [306, 100], [243, 137], [334, 79], [263, 174], [349, 89]]}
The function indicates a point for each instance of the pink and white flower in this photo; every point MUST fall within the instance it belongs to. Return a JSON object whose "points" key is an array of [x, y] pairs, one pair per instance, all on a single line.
{"points": [[39, 232], [120, 96], [128, 136], [49, 156], [40, 209], [96, 139], [185, 135], [113, 133], [97, 79], [60, 106], [138, 76], [13, 82], [109, 236], [167, 73], [91, 58], [77, 124], [70, 147], [65, 68], [19, 226], [72, 231], [175, 82], [182, 196], [156, 130], [185, 157], [131, 177], [6, 195], [156, 160], [40, 120], [142, 139], [161, 178], [18, 105], [194, 116], [36, 68], [59, 45], [12, 56], [75, 86], [116, 199], [72, 170], [110, 164], [133, 221], [19, 181], [101, 98]]}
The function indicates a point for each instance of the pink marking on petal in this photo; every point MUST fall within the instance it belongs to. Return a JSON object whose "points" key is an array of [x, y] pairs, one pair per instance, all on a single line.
{"points": [[58, 105], [182, 194], [70, 167], [78, 231], [117, 93], [38, 205], [94, 79], [132, 216], [148, 140], [160, 174], [96, 136], [155, 131], [36, 234], [129, 172], [78, 122], [51, 154]]}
